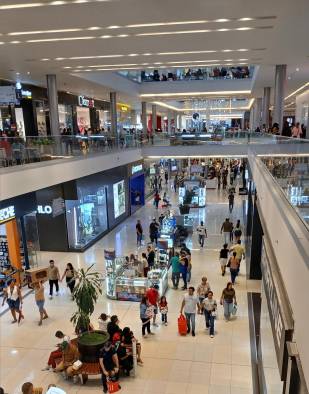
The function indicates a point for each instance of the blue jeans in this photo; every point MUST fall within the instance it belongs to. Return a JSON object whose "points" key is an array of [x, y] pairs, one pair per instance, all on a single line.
{"points": [[190, 321], [210, 322], [139, 238], [234, 273], [228, 307], [184, 278], [188, 276]]}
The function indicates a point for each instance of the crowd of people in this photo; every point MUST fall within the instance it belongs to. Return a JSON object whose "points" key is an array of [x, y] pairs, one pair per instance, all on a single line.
{"points": [[210, 73], [295, 130]]}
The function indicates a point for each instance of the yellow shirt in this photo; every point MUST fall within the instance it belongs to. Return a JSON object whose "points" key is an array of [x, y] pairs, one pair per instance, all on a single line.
{"points": [[239, 249]]}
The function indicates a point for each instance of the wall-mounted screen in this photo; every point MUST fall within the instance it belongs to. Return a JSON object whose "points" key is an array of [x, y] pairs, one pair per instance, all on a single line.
{"points": [[119, 199]]}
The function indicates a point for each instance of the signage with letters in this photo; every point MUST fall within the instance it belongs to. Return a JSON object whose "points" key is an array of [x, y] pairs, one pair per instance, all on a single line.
{"points": [[45, 209], [136, 168], [85, 102], [281, 323], [7, 213]]}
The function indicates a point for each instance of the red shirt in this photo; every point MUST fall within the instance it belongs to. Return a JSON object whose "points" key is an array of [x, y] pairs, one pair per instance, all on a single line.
{"points": [[152, 296]]}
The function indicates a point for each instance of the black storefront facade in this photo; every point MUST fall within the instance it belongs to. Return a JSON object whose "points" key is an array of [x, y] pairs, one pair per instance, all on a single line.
{"points": [[72, 216]]}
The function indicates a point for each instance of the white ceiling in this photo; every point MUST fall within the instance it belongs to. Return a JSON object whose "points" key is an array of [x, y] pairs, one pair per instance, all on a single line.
{"points": [[281, 38]]}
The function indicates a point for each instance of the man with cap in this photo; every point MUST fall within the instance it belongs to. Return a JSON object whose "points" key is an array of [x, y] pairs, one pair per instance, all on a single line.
{"points": [[152, 295]]}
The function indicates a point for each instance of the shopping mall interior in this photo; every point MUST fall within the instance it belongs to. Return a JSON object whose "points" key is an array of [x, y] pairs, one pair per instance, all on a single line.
{"points": [[154, 197]]}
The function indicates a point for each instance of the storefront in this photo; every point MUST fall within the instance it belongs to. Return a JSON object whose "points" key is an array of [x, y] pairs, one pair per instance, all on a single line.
{"points": [[19, 241], [276, 326], [74, 215], [137, 185]]}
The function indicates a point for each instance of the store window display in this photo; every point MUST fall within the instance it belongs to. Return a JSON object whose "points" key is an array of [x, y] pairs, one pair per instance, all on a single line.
{"points": [[86, 217]]}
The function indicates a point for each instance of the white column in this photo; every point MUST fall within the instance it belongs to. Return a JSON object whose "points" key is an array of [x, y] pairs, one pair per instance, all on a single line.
{"points": [[144, 116], [113, 112], [169, 122], [266, 104], [258, 112], [154, 117], [53, 104], [280, 82]]}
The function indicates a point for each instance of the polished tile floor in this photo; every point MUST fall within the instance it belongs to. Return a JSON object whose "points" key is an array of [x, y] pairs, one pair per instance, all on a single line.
{"points": [[172, 364]]}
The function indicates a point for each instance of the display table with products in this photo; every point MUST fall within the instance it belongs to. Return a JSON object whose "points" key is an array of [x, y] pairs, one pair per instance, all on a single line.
{"points": [[193, 192], [123, 282]]}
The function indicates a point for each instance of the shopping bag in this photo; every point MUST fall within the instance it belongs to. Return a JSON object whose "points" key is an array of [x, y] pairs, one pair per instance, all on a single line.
{"points": [[182, 325], [112, 387], [234, 310]]}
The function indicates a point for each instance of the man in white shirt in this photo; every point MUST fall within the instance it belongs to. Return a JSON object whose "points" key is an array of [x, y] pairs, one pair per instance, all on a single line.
{"points": [[202, 234], [189, 305]]}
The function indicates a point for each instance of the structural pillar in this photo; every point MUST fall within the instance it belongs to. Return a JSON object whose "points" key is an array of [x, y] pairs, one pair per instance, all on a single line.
{"points": [[266, 104], [144, 116], [53, 104], [169, 123], [258, 112], [113, 111], [280, 81], [154, 117]]}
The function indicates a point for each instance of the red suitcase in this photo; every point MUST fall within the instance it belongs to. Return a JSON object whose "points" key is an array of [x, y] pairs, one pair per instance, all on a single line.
{"points": [[182, 325]]}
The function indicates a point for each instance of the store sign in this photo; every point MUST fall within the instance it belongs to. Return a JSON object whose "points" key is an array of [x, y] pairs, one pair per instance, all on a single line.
{"points": [[85, 102], [7, 95], [280, 323], [137, 168], [26, 94], [44, 209], [7, 214]]}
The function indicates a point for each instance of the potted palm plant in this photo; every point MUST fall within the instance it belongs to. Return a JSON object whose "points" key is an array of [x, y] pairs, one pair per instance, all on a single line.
{"points": [[85, 295]]}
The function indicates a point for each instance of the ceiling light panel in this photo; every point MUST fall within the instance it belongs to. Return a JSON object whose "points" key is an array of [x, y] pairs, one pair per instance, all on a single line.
{"points": [[215, 93], [7, 7], [22, 33]]}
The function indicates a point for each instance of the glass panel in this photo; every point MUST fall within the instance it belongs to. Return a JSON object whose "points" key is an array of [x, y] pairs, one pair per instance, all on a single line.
{"points": [[86, 217], [32, 238]]}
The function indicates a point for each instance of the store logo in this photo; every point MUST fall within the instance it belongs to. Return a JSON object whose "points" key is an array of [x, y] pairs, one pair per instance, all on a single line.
{"points": [[85, 102], [7, 214], [137, 168], [45, 209]]}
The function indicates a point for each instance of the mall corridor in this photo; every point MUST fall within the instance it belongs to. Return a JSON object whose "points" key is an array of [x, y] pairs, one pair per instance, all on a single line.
{"points": [[172, 364]]}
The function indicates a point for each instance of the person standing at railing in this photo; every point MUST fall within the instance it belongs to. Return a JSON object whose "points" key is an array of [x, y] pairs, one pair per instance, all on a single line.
{"points": [[286, 130], [296, 131]]}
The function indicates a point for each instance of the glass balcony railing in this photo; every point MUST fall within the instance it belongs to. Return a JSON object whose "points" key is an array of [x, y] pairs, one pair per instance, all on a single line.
{"points": [[292, 175], [15, 151]]}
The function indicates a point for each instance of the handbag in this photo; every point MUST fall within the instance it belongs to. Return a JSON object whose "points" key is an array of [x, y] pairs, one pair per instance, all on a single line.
{"points": [[182, 325], [214, 313], [234, 310], [112, 387]]}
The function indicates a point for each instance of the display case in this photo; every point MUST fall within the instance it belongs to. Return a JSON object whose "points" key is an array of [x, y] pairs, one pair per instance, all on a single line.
{"points": [[130, 289], [159, 277], [112, 266]]}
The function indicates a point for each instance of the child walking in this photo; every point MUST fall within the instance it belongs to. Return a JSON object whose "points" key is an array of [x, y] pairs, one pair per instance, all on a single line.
{"points": [[163, 309]]}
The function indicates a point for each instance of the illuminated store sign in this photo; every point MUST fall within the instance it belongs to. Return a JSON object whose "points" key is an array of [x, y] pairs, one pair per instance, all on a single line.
{"points": [[85, 102], [7, 214], [137, 168], [45, 209]]}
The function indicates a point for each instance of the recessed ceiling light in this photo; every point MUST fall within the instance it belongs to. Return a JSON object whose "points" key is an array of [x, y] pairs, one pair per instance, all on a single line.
{"points": [[114, 27], [106, 36], [242, 50], [147, 54], [122, 35], [94, 28], [245, 28], [133, 54], [61, 39], [223, 29], [22, 33], [59, 58], [221, 20], [68, 67], [245, 19], [227, 50], [297, 69], [14, 42], [215, 93], [45, 59], [58, 2], [289, 77], [17, 73], [28, 72]]}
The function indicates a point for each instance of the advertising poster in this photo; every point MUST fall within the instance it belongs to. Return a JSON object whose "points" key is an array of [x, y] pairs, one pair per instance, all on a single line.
{"points": [[119, 199]]}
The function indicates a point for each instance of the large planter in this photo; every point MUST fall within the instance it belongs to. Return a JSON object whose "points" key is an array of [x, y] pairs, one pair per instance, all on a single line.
{"points": [[89, 345]]}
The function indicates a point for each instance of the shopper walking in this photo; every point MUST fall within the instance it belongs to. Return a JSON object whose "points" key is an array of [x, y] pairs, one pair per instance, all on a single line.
{"points": [[184, 264], [156, 200], [144, 263], [12, 295], [189, 306], [202, 291], [228, 300], [163, 309], [166, 177], [152, 296], [70, 275], [202, 234], [40, 300], [151, 257], [175, 270], [53, 278], [223, 256], [226, 228], [237, 231], [231, 201], [240, 252], [139, 233], [175, 183], [233, 264], [153, 231], [210, 311], [145, 318]]}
